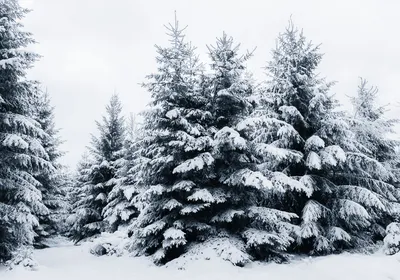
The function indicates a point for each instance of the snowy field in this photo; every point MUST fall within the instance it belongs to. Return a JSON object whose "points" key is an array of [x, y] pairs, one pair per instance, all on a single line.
{"points": [[68, 262]]}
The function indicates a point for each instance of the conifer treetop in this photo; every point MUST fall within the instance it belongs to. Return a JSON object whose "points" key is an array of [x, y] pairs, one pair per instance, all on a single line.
{"points": [[364, 102], [175, 33]]}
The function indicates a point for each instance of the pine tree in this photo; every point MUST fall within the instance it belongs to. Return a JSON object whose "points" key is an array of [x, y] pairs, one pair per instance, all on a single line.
{"points": [[50, 182], [308, 146], [370, 126], [81, 211], [66, 180], [174, 157], [22, 153], [261, 231], [373, 130], [121, 207], [95, 184]]}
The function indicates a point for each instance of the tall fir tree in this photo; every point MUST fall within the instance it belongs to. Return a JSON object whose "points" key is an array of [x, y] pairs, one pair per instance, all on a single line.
{"points": [[66, 180], [373, 130], [121, 205], [81, 210], [50, 182], [95, 184], [256, 230], [22, 153], [314, 153], [370, 125], [174, 156]]}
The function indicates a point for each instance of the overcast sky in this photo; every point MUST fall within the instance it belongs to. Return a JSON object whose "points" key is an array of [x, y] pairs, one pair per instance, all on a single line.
{"points": [[92, 48]]}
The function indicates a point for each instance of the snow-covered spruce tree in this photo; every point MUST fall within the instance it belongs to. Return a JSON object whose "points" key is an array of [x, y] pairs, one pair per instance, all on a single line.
{"points": [[96, 183], [22, 154], [174, 163], [121, 206], [50, 182], [239, 211], [373, 131], [66, 180], [370, 125], [201, 182], [313, 154], [81, 210]]}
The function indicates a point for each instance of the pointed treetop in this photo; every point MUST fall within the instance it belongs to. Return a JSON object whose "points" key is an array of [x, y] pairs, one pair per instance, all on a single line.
{"points": [[175, 32], [226, 50], [294, 53], [131, 125], [364, 102]]}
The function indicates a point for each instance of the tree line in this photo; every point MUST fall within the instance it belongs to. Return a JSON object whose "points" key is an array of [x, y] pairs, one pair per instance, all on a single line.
{"points": [[261, 171]]}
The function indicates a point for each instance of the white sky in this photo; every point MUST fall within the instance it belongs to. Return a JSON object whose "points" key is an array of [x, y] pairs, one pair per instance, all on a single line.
{"points": [[92, 48]]}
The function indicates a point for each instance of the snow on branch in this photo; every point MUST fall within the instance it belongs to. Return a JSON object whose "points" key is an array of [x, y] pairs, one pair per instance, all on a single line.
{"points": [[314, 143], [256, 237], [246, 177], [229, 139], [313, 161], [352, 211], [338, 234], [227, 216], [271, 152], [285, 183], [196, 164], [201, 195], [313, 211], [363, 196], [270, 216], [184, 185], [173, 238]]}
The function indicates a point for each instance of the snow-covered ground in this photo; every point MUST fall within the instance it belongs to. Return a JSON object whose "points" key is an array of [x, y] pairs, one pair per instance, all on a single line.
{"points": [[68, 262]]}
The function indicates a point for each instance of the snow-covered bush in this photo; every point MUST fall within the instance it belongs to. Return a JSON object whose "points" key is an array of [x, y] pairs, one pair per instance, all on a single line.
{"points": [[228, 249], [392, 239], [115, 243], [22, 257]]}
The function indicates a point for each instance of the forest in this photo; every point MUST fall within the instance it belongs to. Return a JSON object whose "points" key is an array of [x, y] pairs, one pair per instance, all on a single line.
{"points": [[256, 170]]}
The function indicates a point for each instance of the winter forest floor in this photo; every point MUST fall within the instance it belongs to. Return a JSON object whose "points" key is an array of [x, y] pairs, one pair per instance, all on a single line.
{"points": [[66, 262]]}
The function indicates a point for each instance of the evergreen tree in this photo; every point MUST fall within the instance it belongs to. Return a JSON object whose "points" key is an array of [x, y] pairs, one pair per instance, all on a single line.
{"points": [[66, 180], [81, 211], [96, 183], [174, 160], [21, 150], [373, 130], [240, 211], [50, 182], [121, 206], [370, 126], [199, 177], [313, 153]]}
